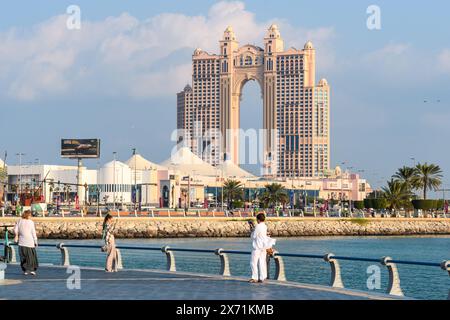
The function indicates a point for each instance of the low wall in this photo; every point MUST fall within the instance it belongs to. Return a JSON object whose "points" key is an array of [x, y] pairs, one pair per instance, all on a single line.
{"points": [[90, 228]]}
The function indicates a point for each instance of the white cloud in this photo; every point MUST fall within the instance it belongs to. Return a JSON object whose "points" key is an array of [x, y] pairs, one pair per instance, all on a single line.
{"points": [[444, 60], [117, 56], [389, 56], [396, 64]]}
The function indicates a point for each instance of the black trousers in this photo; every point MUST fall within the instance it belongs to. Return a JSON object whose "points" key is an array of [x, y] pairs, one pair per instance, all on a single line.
{"points": [[28, 259]]}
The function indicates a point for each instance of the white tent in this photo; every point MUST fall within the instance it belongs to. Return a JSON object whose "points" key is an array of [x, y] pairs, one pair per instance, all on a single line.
{"points": [[142, 164], [229, 169], [186, 162]]}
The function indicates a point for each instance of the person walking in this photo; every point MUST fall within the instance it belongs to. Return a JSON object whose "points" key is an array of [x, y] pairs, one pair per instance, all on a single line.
{"points": [[110, 244], [260, 242], [25, 236]]}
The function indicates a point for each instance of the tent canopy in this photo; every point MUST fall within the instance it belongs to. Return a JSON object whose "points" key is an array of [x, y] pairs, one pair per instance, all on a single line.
{"points": [[138, 162], [186, 162], [230, 169]]}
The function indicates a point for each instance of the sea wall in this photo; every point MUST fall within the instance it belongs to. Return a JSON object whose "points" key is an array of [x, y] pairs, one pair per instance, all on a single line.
{"points": [[90, 228]]}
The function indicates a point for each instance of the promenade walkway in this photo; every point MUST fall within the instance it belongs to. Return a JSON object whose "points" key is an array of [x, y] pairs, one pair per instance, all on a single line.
{"points": [[51, 284]]}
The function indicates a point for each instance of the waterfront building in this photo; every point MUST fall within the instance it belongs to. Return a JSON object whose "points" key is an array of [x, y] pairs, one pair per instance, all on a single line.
{"points": [[49, 181], [182, 179], [296, 110]]}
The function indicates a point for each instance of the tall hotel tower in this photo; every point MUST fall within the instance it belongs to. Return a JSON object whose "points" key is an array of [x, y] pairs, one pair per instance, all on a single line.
{"points": [[296, 118]]}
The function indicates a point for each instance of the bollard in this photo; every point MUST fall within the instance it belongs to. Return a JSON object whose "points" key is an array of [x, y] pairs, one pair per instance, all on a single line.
{"points": [[394, 279], [65, 261], [3, 267], [170, 258], [224, 263], [279, 267], [445, 265], [336, 279], [119, 264]]}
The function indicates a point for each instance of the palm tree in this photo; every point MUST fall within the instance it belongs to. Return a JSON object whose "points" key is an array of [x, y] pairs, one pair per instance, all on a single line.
{"points": [[428, 177], [396, 194], [232, 190], [407, 176], [275, 193]]}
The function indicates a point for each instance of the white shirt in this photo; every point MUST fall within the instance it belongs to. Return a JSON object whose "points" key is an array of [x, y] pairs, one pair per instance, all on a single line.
{"points": [[260, 239], [27, 233]]}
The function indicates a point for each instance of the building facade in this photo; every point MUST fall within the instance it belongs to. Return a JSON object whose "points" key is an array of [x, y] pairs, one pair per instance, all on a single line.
{"points": [[296, 115]]}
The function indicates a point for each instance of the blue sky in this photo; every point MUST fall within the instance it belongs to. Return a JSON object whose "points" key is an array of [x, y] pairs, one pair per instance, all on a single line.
{"points": [[117, 77]]}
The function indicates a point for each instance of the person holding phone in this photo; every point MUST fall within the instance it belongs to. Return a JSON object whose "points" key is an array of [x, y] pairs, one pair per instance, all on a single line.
{"points": [[260, 242]]}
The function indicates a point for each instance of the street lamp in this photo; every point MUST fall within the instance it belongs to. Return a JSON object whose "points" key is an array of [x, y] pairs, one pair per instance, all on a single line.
{"points": [[20, 154], [135, 181], [114, 180]]}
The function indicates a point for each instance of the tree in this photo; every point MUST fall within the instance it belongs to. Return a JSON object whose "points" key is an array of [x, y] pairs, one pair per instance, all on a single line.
{"points": [[407, 176], [232, 190], [275, 194], [396, 194], [428, 177]]}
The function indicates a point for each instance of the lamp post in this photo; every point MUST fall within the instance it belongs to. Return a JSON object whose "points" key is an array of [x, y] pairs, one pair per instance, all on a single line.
{"points": [[351, 191], [135, 182], [20, 154], [114, 180]]}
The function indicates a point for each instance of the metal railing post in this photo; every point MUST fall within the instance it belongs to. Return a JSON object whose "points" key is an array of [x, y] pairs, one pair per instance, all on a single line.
{"points": [[224, 263], [336, 279], [280, 275], [65, 259], [119, 259], [170, 258], [394, 279], [13, 258], [3, 267]]}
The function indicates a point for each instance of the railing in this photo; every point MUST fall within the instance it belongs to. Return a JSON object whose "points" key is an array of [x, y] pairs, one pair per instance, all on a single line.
{"points": [[393, 287]]}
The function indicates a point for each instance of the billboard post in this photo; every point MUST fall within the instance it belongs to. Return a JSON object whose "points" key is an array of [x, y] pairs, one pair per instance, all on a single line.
{"points": [[80, 149]]}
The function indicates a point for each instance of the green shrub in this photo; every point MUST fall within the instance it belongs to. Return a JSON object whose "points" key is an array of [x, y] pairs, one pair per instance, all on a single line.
{"points": [[368, 203], [238, 204], [424, 204], [359, 205], [439, 204]]}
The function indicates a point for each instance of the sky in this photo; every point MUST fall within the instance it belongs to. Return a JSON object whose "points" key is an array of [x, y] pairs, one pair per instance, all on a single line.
{"points": [[117, 77]]}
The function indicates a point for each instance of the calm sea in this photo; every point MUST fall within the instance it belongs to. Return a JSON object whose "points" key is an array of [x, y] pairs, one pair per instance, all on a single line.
{"points": [[417, 282]]}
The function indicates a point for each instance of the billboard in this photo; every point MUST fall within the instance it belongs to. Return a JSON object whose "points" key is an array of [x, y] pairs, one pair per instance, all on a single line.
{"points": [[80, 148]]}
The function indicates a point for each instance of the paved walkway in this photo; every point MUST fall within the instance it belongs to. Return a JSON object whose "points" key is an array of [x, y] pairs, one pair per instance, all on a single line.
{"points": [[51, 283]]}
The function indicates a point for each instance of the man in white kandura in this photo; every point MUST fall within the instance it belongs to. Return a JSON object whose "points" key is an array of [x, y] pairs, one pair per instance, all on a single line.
{"points": [[261, 242]]}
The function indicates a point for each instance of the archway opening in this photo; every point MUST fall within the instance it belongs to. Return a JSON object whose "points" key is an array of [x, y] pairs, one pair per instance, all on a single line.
{"points": [[251, 123]]}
